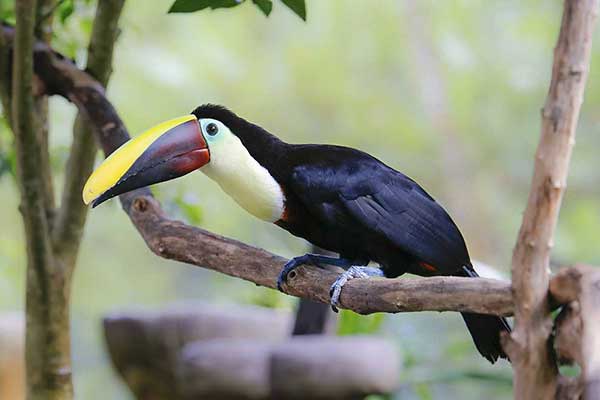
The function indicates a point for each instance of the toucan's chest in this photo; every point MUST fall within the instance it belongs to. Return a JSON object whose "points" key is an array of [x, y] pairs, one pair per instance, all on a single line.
{"points": [[247, 182]]}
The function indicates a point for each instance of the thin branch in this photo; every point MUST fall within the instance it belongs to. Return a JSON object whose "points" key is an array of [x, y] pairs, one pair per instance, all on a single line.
{"points": [[535, 371], [71, 217], [44, 17], [43, 31]]}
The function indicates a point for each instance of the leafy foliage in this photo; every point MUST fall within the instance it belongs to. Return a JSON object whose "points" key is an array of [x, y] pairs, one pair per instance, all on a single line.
{"points": [[185, 6], [266, 6], [65, 10], [352, 323], [296, 6], [7, 11], [7, 153]]}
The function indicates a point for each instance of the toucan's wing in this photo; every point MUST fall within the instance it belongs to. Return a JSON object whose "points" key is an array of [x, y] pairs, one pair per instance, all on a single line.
{"points": [[368, 194]]}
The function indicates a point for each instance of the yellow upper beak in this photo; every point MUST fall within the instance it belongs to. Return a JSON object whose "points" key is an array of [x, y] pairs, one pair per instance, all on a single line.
{"points": [[168, 150]]}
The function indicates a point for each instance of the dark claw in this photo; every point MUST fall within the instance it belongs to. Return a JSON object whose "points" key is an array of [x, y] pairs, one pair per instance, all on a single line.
{"points": [[313, 259], [281, 279], [289, 267]]}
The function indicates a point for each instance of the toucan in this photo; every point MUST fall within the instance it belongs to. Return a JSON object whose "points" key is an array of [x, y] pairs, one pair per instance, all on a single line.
{"points": [[337, 198]]}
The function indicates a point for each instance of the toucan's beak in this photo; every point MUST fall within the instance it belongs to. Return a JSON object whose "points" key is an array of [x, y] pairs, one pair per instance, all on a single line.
{"points": [[166, 151]]}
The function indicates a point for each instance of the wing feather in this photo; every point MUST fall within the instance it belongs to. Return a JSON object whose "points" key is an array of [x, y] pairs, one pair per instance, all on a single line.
{"points": [[385, 202]]}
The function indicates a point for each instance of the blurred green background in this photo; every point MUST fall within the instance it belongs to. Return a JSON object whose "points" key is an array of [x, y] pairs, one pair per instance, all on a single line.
{"points": [[448, 92]]}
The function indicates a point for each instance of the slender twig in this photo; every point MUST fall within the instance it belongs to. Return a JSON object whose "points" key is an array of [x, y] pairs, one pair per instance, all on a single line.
{"points": [[43, 31], [44, 15], [535, 368]]}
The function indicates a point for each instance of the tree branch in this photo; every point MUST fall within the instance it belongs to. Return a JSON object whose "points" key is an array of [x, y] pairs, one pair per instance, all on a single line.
{"points": [[68, 227], [579, 322], [43, 19], [175, 240], [535, 371]]}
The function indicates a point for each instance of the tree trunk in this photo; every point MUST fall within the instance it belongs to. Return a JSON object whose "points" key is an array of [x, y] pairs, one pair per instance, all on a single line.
{"points": [[51, 251], [534, 366], [48, 351]]}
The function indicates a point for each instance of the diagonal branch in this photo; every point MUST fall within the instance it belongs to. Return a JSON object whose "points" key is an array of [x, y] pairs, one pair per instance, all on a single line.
{"points": [[177, 241], [535, 371], [68, 227]]}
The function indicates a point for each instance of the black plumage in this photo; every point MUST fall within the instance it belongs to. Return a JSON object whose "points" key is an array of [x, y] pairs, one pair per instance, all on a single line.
{"points": [[346, 201]]}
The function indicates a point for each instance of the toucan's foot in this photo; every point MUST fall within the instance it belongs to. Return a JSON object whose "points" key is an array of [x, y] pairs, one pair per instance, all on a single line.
{"points": [[352, 273], [313, 259]]}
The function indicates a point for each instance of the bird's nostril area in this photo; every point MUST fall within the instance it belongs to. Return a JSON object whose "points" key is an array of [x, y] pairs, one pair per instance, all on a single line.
{"points": [[292, 275]]}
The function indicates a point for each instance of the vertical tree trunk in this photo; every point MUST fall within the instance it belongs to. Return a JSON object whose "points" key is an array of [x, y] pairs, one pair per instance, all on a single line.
{"points": [[48, 350], [535, 373], [51, 249], [47, 343]]}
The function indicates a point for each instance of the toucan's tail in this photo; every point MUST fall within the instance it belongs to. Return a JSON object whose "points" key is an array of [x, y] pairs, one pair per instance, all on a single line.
{"points": [[485, 329]]}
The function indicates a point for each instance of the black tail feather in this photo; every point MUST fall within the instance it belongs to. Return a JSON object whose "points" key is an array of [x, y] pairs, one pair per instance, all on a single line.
{"points": [[485, 329]]}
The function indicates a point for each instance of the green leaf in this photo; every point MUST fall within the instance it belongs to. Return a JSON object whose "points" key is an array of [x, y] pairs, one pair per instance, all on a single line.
{"points": [[423, 392], [186, 6], [296, 6], [191, 212], [266, 6], [351, 323], [66, 10], [7, 11]]}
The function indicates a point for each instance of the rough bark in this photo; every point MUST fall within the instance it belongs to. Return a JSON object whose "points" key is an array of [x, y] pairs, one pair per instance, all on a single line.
{"points": [[47, 345], [50, 262], [534, 366], [579, 323]]}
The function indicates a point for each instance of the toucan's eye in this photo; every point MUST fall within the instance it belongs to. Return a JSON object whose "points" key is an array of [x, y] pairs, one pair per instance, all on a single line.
{"points": [[212, 129]]}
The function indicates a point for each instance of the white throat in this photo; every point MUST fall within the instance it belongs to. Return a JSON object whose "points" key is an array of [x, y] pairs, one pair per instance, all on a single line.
{"points": [[244, 179]]}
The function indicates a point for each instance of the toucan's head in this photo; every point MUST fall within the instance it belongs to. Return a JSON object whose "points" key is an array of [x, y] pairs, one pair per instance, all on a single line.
{"points": [[168, 150]]}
